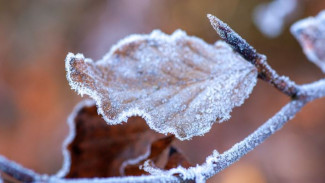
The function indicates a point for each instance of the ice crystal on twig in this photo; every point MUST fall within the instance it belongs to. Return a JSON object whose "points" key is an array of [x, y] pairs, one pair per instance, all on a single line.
{"points": [[240, 45], [233, 39]]}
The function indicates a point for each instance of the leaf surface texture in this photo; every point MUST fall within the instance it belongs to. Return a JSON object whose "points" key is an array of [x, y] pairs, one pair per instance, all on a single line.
{"points": [[178, 83]]}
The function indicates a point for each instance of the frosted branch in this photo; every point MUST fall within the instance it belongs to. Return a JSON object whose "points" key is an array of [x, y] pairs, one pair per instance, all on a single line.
{"points": [[256, 138], [16, 171], [309, 91], [217, 162], [312, 91], [128, 179], [265, 71], [23, 174]]}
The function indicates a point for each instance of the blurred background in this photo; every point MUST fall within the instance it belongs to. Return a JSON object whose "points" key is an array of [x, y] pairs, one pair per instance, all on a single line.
{"points": [[35, 98]]}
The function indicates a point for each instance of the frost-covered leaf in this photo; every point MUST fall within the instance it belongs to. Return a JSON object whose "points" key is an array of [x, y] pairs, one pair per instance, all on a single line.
{"points": [[95, 149], [177, 83], [310, 33], [271, 17]]}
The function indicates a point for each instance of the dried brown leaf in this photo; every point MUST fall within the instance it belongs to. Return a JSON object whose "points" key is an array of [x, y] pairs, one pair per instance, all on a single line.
{"points": [[179, 84], [96, 149], [175, 159], [132, 167]]}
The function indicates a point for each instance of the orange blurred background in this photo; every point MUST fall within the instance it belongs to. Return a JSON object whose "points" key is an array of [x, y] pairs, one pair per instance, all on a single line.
{"points": [[35, 98]]}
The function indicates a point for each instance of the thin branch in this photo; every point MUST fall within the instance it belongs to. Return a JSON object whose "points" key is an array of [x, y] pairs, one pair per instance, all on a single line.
{"points": [[218, 162], [17, 172], [240, 45], [127, 179], [240, 149], [23, 174], [309, 91], [312, 91]]}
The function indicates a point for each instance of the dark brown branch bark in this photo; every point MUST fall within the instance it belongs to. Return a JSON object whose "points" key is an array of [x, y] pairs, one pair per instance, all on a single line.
{"points": [[265, 72]]}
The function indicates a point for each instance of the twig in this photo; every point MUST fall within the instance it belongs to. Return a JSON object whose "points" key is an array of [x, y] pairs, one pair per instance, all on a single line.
{"points": [[310, 91], [240, 149], [218, 162], [240, 45], [127, 179], [16, 171], [23, 174]]}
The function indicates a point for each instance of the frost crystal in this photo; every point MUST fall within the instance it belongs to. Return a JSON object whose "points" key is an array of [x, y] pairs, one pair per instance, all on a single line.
{"points": [[179, 84], [271, 17], [310, 33]]}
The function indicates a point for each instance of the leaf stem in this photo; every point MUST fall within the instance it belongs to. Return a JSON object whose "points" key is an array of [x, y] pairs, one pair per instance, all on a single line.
{"points": [[265, 71]]}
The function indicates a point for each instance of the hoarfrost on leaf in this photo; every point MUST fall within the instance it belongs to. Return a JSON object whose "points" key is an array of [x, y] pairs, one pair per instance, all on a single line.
{"points": [[166, 79], [310, 33], [270, 18]]}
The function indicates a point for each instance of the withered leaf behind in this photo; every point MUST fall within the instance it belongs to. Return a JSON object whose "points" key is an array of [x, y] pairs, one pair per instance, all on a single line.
{"points": [[175, 159], [131, 167], [96, 149], [154, 154]]}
